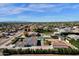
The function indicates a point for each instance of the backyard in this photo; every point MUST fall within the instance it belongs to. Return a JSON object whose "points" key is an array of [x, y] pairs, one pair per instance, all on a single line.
{"points": [[74, 42]]}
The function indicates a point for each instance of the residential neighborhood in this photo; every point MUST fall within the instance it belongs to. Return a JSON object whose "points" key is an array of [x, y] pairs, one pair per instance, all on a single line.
{"points": [[39, 28], [38, 36]]}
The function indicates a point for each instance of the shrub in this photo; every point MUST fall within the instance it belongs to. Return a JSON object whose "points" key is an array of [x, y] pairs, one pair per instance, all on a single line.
{"points": [[63, 51]]}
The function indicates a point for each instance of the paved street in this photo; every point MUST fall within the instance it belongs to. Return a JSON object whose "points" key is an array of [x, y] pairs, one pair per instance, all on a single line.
{"points": [[5, 42]]}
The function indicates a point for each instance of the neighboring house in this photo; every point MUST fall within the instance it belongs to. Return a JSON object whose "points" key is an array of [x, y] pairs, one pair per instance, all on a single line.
{"points": [[32, 41], [74, 36], [66, 29]]}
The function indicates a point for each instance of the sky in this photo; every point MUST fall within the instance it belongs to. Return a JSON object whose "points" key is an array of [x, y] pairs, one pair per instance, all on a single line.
{"points": [[39, 12]]}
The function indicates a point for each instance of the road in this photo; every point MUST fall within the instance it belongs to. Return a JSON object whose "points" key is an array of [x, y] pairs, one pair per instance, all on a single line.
{"points": [[5, 42], [11, 38]]}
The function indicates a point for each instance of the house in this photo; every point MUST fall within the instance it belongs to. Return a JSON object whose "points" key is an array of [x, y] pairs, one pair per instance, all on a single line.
{"points": [[31, 41], [73, 36]]}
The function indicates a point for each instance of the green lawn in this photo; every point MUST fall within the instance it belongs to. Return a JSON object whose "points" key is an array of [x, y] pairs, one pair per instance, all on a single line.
{"points": [[74, 42]]}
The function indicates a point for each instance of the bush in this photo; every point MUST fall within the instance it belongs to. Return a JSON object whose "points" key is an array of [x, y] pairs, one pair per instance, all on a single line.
{"points": [[63, 51], [15, 40], [74, 42]]}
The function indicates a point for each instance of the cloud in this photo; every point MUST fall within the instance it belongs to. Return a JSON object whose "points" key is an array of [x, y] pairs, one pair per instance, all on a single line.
{"points": [[40, 6], [11, 9], [4, 4], [33, 7]]}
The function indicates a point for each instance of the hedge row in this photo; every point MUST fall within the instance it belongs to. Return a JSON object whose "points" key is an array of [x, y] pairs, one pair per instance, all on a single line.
{"points": [[74, 42], [63, 51]]}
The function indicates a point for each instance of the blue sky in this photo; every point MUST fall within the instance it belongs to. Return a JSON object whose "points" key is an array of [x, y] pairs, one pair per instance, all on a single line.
{"points": [[41, 12]]}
